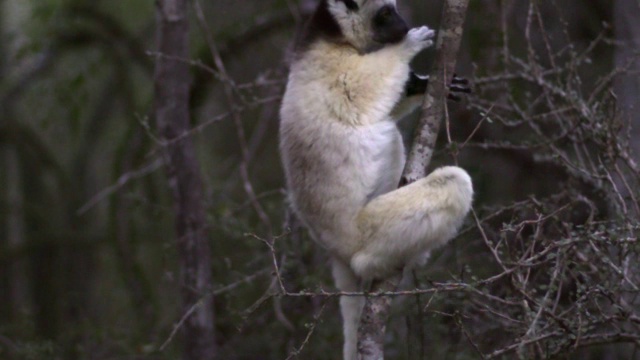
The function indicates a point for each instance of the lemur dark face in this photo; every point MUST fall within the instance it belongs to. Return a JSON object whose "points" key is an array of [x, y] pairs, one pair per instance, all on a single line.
{"points": [[388, 26], [367, 25]]}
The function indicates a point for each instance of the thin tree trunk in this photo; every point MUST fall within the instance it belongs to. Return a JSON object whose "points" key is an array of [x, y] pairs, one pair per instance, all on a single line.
{"points": [[172, 82], [433, 107], [627, 55], [626, 15], [12, 286], [626, 18], [376, 309]]}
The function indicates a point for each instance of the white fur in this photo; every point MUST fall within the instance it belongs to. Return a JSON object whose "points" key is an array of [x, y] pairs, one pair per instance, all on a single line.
{"points": [[343, 157]]}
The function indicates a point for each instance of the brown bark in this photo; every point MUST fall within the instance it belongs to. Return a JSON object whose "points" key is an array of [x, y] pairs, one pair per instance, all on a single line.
{"points": [[172, 82], [376, 309]]}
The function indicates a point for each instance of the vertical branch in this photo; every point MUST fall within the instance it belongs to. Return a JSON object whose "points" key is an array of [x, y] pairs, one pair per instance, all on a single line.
{"points": [[376, 309], [12, 286], [172, 81], [433, 107], [627, 84], [373, 323]]}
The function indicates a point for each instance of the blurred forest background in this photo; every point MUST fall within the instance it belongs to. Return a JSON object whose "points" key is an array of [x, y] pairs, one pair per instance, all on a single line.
{"points": [[546, 267]]}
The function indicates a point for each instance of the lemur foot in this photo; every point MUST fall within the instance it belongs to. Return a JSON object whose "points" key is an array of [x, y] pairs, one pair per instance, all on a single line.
{"points": [[459, 85], [417, 84]]}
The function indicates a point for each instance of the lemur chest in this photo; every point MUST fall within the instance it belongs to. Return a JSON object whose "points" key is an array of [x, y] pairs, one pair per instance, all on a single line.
{"points": [[352, 87], [363, 94]]}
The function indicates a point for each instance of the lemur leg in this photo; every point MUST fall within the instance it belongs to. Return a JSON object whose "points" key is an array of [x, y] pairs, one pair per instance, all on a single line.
{"points": [[400, 225], [350, 306]]}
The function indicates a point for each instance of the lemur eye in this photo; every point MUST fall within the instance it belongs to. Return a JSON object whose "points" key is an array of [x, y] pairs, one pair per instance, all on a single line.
{"points": [[384, 15]]}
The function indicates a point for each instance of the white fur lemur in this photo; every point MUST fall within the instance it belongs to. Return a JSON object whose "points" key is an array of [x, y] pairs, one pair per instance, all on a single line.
{"points": [[343, 156]]}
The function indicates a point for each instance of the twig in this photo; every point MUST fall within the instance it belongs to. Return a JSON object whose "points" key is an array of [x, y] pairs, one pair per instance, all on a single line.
{"points": [[123, 180], [184, 318], [228, 91], [216, 292], [312, 328]]}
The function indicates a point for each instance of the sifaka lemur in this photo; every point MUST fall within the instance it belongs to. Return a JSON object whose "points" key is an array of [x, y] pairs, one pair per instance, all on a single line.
{"points": [[343, 156]]}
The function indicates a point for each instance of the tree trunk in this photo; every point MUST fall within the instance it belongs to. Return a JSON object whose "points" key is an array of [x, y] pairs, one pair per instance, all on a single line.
{"points": [[375, 314], [626, 17], [447, 45], [172, 82]]}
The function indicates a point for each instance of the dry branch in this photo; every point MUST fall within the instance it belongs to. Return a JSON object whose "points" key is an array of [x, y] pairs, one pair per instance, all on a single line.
{"points": [[376, 309]]}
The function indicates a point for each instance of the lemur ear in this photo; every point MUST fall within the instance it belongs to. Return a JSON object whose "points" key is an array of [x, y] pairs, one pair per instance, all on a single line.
{"points": [[351, 4]]}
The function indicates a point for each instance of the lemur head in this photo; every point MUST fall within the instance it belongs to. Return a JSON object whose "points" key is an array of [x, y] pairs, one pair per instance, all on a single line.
{"points": [[367, 25]]}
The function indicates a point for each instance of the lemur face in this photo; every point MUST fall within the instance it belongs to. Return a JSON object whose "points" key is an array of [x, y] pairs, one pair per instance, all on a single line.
{"points": [[388, 27], [368, 24]]}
